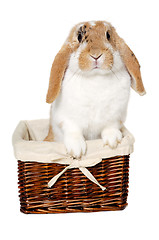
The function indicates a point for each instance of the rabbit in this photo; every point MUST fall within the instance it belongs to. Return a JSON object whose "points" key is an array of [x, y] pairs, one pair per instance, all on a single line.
{"points": [[89, 87]]}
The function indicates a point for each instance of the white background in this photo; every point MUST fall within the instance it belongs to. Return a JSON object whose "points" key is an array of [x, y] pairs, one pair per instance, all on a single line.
{"points": [[32, 32]]}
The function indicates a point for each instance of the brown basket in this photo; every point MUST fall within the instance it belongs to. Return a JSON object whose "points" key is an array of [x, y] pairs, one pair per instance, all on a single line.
{"points": [[73, 192]]}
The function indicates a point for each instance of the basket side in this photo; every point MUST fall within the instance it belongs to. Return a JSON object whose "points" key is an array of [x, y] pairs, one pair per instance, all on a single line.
{"points": [[73, 192]]}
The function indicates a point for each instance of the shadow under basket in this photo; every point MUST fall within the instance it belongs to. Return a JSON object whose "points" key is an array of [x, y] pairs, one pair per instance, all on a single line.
{"points": [[73, 192]]}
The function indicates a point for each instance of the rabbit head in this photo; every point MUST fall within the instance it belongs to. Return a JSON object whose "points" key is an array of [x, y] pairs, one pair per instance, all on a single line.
{"points": [[90, 48]]}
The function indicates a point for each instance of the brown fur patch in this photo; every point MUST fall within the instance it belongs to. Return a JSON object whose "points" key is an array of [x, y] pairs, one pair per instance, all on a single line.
{"points": [[130, 61], [108, 61], [85, 62], [57, 73], [50, 136]]}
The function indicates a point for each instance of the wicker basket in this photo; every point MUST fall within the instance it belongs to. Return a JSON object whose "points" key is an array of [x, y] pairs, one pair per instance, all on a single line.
{"points": [[73, 191]]}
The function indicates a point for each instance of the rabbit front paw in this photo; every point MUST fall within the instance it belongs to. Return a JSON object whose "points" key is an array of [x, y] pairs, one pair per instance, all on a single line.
{"points": [[75, 144], [111, 137]]}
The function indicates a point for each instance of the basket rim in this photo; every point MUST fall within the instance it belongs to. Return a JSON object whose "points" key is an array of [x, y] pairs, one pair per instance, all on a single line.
{"points": [[28, 148]]}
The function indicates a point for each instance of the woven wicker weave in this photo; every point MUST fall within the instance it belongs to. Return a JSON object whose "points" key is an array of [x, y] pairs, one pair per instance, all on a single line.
{"points": [[73, 192]]}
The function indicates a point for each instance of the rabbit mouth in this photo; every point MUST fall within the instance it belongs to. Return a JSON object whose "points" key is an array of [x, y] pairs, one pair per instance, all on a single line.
{"points": [[96, 65], [100, 65]]}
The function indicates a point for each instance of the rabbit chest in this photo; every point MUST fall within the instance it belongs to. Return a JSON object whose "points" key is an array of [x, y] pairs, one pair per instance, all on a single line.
{"points": [[91, 102]]}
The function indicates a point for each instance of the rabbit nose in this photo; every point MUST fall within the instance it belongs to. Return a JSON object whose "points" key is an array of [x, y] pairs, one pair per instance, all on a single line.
{"points": [[96, 58]]}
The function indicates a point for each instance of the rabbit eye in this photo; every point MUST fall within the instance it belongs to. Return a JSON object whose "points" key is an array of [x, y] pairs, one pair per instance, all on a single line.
{"points": [[79, 37], [108, 35]]}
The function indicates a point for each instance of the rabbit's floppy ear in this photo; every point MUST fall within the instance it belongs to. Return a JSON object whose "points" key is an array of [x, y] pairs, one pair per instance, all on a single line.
{"points": [[57, 72], [130, 62]]}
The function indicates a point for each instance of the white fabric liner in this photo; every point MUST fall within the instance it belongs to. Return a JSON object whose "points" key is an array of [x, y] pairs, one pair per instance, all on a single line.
{"points": [[28, 145]]}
